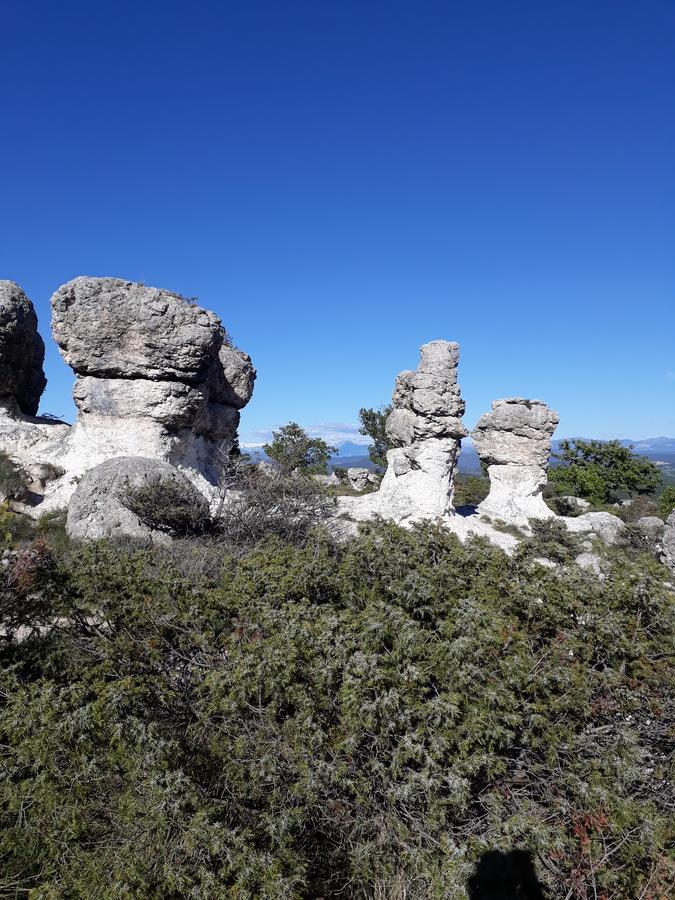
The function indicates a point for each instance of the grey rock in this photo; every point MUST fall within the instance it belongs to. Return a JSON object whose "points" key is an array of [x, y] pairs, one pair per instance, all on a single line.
{"points": [[113, 328], [590, 562], [22, 352], [576, 502], [604, 525], [98, 509], [358, 478], [425, 428], [651, 525], [668, 543], [514, 441], [234, 379]]}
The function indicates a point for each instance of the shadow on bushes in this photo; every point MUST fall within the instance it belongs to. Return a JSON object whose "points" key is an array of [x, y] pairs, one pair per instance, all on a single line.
{"points": [[505, 876]]}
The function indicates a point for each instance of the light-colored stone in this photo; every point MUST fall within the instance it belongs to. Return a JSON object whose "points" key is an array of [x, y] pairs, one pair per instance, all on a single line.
{"points": [[514, 441], [22, 352], [425, 427], [668, 543], [154, 379], [576, 502], [651, 525], [590, 562], [358, 478], [604, 525], [98, 508]]}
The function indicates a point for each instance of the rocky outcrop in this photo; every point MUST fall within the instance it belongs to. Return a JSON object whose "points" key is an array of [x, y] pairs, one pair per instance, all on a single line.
{"points": [[610, 529], [99, 508], [668, 543], [359, 478], [425, 428], [514, 441], [22, 352], [156, 377]]}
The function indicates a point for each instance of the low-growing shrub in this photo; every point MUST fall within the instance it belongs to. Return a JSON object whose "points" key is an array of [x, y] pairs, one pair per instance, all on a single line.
{"points": [[552, 540], [168, 505], [259, 505], [369, 720]]}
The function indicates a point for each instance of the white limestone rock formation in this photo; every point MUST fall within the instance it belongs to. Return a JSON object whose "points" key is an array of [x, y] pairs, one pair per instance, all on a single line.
{"points": [[610, 529], [514, 441], [358, 478], [156, 378], [22, 352], [426, 428], [99, 508], [668, 543]]}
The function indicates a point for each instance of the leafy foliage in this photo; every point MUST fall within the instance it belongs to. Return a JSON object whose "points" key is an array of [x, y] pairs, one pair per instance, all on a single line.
{"points": [[600, 471], [364, 721], [167, 505], [667, 501], [470, 490], [373, 423], [294, 450]]}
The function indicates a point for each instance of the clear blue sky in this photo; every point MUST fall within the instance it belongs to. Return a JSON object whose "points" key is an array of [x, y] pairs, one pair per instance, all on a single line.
{"points": [[342, 181]]}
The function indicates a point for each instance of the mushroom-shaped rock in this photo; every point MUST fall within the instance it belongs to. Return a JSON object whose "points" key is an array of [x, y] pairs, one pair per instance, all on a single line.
{"points": [[22, 352], [514, 441], [100, 506]]}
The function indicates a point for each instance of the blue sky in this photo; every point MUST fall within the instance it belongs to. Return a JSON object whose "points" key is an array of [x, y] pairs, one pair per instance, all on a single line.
{"points": [[342, 181]]}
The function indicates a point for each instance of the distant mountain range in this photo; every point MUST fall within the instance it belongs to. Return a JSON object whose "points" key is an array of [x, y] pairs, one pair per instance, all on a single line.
{"points": [[659, 449]]}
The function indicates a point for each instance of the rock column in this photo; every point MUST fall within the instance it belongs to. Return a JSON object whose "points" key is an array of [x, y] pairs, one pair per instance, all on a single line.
{"points": [[514, 441], [426, 429]]}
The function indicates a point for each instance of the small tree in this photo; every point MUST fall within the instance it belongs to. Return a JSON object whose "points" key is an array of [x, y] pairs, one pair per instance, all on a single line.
{"points": [[600, 471], [667, 501], [294, 450], [373, 423]]}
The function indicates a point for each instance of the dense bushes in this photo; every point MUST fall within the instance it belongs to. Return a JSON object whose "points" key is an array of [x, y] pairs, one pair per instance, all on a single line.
{"points": [[363, 721]]}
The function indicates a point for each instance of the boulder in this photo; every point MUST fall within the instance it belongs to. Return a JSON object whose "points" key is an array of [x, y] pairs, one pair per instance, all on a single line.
{"points": [[358, 478], [652, 526], [575, 503], [590, 562], [514, 441], [22, 352], [99, 507], [604, 525]]}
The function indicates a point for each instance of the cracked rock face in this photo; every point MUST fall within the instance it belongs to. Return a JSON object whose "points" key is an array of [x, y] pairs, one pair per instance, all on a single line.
{"points": [[669, 542], [22, 352], [155, 378], [426, 428], [514, 441]]}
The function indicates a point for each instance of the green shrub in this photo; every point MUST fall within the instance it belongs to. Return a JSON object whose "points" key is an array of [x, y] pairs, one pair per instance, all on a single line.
{"points": [[470, 490], [168, 505], [366, 721], [667, 501], [552, 540]]}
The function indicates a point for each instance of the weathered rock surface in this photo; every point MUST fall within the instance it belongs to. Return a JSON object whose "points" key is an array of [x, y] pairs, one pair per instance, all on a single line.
{"points": [[98, 508], [604, 525], [426, 428], [514, 441], [155, 379], [668, 543], [358, 478], [22, 352]]}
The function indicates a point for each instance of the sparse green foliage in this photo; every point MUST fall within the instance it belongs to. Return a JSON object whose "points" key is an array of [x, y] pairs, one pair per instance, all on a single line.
{"points": [[470, 490], [167, 505], [294, 450], [667, 501], [552, 540], [364, 721], [373, 423], [600, 471]]}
